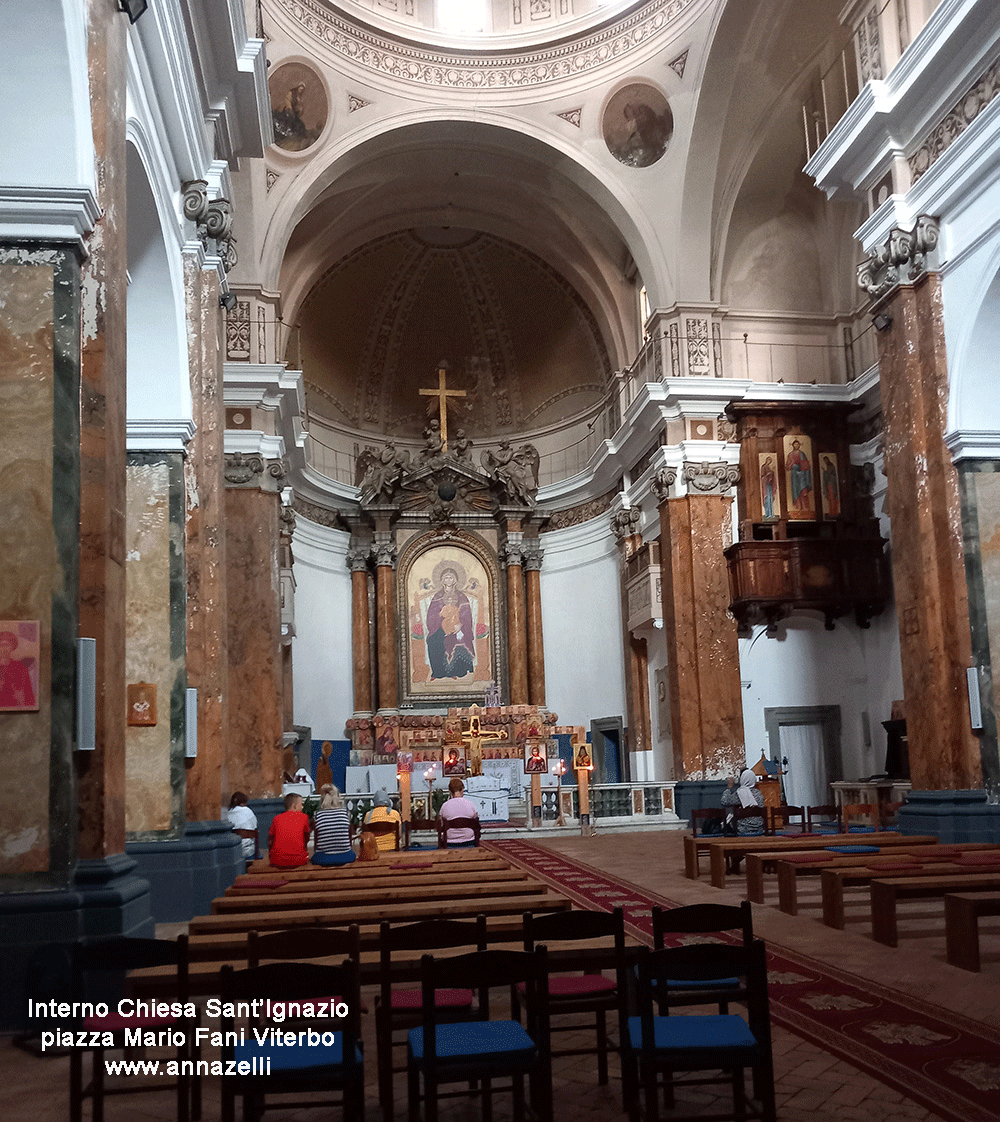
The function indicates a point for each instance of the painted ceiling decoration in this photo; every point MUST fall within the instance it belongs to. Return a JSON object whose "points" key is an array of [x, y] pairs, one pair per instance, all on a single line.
{"points": [[363, 46], [518, 338]]}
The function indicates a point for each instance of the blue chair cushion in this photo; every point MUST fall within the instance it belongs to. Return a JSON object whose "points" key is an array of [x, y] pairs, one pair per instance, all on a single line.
{"points": [[297, 1057], [687, 984], [852, 848], [472, 1040], [675, 1033], [861, 829]]}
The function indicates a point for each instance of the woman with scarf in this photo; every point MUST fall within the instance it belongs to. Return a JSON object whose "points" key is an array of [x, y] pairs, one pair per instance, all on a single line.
{"points": [[741, 797]]}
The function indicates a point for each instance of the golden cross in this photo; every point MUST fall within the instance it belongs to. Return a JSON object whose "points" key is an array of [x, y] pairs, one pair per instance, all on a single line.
{"points": [[442, 393]]}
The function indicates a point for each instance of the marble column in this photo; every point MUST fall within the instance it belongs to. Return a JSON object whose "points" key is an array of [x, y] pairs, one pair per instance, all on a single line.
{"points": [[385, 624], [536, 652], [703, 665], [101, 774], [924, 508], [625, 524], [205, 544], [253, 584], [357, 559], [154, 644], [517, 649]]}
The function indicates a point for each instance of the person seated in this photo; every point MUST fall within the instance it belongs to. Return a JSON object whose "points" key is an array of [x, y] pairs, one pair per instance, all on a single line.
{"points": [[745, 795], [332, 824], [289, 835], [382, 812], [241, 817], [458, 806]]}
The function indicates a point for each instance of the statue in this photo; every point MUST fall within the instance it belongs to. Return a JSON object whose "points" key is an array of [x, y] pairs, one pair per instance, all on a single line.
{"points": [[382, 470], [463, 447], [515, 471], [432, 440]]}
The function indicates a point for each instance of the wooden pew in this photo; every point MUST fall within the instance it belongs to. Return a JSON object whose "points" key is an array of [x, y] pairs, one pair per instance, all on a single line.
{"points": [[885, 894], [792, 867], [389, 864], [412, 881], [961, 925], [737, 848]]}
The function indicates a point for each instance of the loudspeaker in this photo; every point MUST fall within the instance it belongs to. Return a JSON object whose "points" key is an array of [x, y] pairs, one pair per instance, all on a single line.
{"points": [[190, 724], [86, 695]]}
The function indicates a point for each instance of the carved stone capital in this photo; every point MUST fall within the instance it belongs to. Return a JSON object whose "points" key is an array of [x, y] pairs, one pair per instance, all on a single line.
{"points": [[663, 480], [214, 221], [903, 252], [710, 478], [513, 553], [277, 469], [533, 559], [384, 554], [287, 518], [194, 196], [357, 559], [726, 429], [241, 469], [625, 523]]}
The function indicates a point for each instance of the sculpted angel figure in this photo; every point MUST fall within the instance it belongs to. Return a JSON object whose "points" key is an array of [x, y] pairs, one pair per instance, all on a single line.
{"points": [[515, 471]]}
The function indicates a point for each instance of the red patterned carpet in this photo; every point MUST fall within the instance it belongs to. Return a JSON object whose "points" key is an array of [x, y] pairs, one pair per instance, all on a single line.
{"points": [[942, 1060]]}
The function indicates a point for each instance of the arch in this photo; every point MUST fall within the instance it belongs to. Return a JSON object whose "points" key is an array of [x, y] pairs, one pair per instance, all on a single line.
{"points": [[45, 85], [973, 406], [548, 166], [158, 380]]}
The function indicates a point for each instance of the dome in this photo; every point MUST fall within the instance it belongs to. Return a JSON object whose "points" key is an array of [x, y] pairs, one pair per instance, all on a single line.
{"points": [[517, 338]]}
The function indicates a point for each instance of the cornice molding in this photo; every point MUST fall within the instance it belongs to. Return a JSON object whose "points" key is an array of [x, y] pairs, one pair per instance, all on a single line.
{"points": [[484, 70], [48, 214], [973, 444], [169, 435]]}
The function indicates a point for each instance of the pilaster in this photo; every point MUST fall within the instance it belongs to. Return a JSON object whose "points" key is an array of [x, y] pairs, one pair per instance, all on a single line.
{"points": [[357, 559], [625, 525], [536, 650]]}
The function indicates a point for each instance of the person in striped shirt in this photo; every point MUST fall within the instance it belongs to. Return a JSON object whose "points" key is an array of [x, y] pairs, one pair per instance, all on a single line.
{"points": [[332, 825]]}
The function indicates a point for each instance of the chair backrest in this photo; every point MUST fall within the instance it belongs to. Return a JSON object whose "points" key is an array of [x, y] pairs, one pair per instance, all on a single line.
{"points": [[551, 927], [702, 919], [263, 989], [446, 824], [705, 962], [426, 935], [818, 814], [866, 814], [782, 815], [303, 943], [752, 812], [889, 815], [380, 828], [114, 957], [704, 814]]}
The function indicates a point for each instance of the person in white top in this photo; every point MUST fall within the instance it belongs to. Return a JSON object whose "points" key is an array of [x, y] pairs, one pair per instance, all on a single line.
{"points": [[458, 806], [241, 817]]}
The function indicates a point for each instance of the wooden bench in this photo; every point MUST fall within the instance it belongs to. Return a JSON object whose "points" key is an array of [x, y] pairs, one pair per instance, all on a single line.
{"points": [[411, 881], [794, 866], [962, 911], [885, 894], [736, 849]]}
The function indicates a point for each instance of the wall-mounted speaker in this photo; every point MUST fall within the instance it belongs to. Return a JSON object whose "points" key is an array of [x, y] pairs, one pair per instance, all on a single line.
{"points": [[975, 707], [190, 724], [86, 695]]}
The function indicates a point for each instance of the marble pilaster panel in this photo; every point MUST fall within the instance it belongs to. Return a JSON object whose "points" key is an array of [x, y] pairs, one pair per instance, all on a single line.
{"points": [[39, 513], [256, 708], [101, 774], [205, 546], [923, 505], [980, 482], [361, 632], [517, 653], [703, 655], [155, 642], [635, 651], [385, 628]]}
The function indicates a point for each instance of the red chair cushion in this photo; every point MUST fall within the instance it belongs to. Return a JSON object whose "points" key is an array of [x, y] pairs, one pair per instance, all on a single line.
{"points": [[576, 985], [449, 999], [978, 859]]}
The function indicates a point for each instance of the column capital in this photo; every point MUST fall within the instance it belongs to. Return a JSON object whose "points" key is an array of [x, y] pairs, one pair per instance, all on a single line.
{"points": [[902, 250], [512, 553], [385, 554], [625, 523], [357, 559], [533, 559], [710, 478], [662, 482]]}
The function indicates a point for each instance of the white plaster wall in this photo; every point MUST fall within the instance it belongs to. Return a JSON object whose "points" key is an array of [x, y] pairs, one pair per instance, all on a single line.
{"points": [[659, 760], [322, 647], [856, 669], [582, 624]]}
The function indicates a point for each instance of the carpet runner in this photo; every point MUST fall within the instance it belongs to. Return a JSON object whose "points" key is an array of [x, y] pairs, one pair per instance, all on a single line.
{"points": [[944, 1061]]}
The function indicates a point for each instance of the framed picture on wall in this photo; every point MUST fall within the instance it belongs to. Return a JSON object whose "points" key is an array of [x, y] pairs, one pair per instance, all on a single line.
{"points": [[20, 640]]}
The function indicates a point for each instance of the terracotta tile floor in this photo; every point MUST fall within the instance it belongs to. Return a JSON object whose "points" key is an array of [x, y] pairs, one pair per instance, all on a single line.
{"points": [[812, 1085]]}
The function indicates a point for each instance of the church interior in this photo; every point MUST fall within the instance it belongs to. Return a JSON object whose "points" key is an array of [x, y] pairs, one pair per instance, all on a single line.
{"points": [[591, 399]]}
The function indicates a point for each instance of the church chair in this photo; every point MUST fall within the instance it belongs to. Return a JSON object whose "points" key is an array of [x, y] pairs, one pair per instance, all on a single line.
{"points": [[457, 824], [824, 819], [781, 819], [701, 919], [699, 1043], [399, 1008], [99, 975], [483, 1050], [574, 987], [415, 826], [866, 816], [333, 1061], [707, 816], [303, 944], [381, 828], [888, 814]]}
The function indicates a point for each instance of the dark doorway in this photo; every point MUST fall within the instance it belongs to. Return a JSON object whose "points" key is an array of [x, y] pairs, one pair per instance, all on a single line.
{"points": [[608, 743]]}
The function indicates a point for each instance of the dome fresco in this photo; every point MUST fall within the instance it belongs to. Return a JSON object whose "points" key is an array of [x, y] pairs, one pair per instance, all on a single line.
{"points": [[517, 337]]}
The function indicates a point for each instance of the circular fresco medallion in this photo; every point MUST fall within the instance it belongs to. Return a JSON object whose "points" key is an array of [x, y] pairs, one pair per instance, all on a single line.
{"points": [[299, 106], [638, 125]]}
